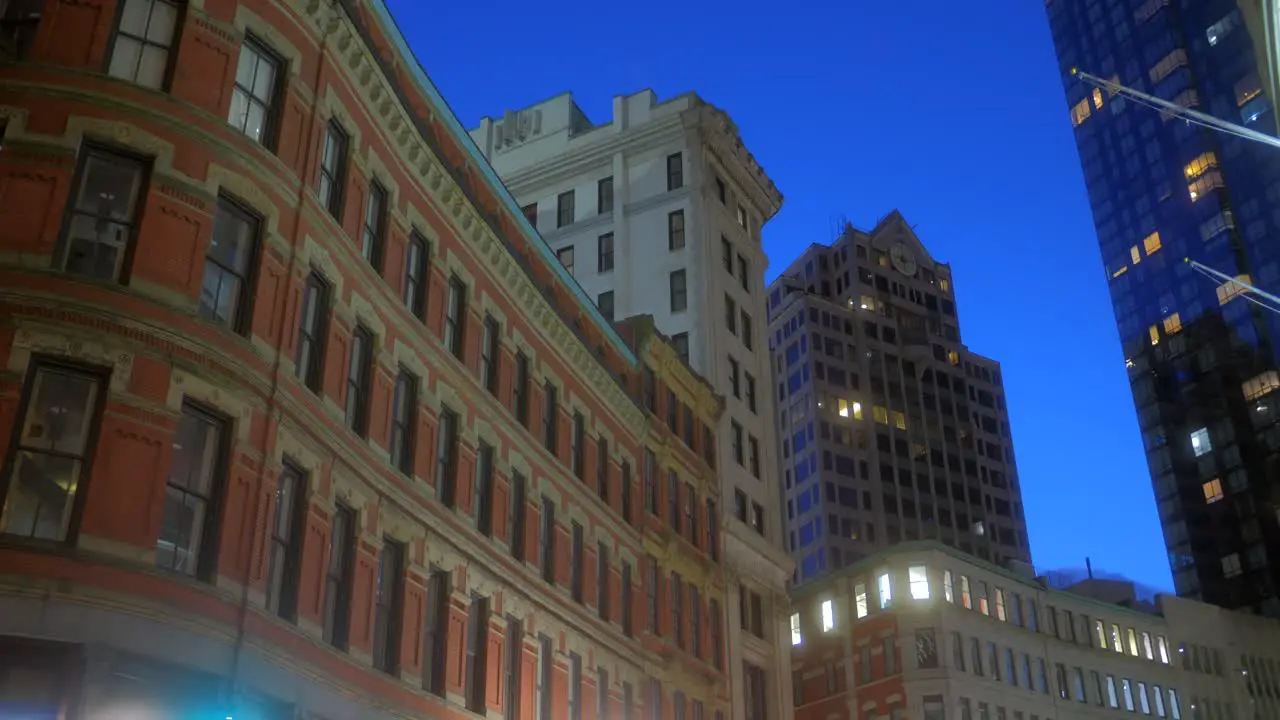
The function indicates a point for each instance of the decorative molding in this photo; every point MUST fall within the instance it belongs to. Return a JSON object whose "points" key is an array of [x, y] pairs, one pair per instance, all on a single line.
{"points": [[227, 400], [36, 339]]}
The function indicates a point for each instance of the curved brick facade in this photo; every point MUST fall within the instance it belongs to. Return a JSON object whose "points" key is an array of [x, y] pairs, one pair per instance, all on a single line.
{"points": [[275, 360]]}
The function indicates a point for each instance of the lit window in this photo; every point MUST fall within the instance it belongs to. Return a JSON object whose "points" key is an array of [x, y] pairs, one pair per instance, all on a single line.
{"points": [[1260, 385], [1212, 491], [944, 285], [1123, 269], [953, 357], [1147, 652], [965, 597], [1116, 644], [1163, 646], [983, 607], [947, 593], [1209, 181], [899, 420], [796, 637], [847, 408], [880, 414], [1101, 632], [1231, 565], [1151, 243], [254, 100], [1097, 99], [1200, 165], [860, 599], [1200, 442], [1000, 605], [828, 616], [1080, 112], [1133, 641], [1171, 62], [918, 577], [885, 586], [144, 39], [1134, 255], [1173, 324], [1155, 334], [1232, 289], [868, 303]]}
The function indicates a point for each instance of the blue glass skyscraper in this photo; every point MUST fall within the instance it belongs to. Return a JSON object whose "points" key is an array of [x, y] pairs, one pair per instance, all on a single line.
{"points": [[1201, 357]]}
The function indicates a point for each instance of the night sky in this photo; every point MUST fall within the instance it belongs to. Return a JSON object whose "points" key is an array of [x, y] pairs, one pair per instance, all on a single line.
{"points": [[952, 113]]}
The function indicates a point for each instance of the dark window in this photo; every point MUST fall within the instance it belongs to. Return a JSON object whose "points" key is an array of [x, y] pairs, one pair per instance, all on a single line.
{"points": [[455, 308], [417, 263], [673, 500], [530, 213], [312, 328], [140, 51], [435, 633], [604, 252], [579, 449], [691, 514], [550, 414], [679, 291], [373, 231], [717, 634], [602, 581], [604, 301], [477, 653], [652, 588], [677, 608], [287, 526], [675, 172], [102, 221], [386, 611], [564, 209], [52, 446], [188, 537], [520, 389], [512, 667], [602, 694], [626, 599], [359, 379], [447, 457], [404, 414], [726, 254], [650, 482], [255, 97], [546, 665], [519, 490], [602, 469], [547, 541], [713, 530], [339, 577], [628, 702], [680, 341], [695, 620], [604, 195], [225, 292], [625, 492], [654, 701], [332, 183], [490, 354], [575, 686], [484, 489], [576, 552], [675, 230], [721, 191], [744, 275]]}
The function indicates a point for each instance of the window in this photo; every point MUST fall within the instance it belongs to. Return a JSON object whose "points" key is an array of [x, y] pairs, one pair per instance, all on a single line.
{"points": [[604, 195], [477, 667], [578, 446], [677, 608], [490, 354], [860, 599], [339, 577], [797, 638], [713, 530], [188, 528], [1212, 491], [753, 456], [730, 314], [547, 541], [520, 391], [312, 327], [546, 665], [285, 551], [455, 307], [1200, 444], [884, 584], [744, 273], [46, 464], [965, 597], [602, 469], [404, 421], [604, 301], [947, 592], [435, 632], [359, 372], [675, 230], [103, 215], [717, 634], [575, 686], [387, 605], [691, 514], [748, 335], [735, 438], [750, 392], [675, 172], [565, 256], [447, 457], [576, 558], [144, 37], [373, 230], [651, 590], [416, 263], [673, 500], [1000, 610], [918, 578], [828, 616], [602, 581], [519, 490], [254, 96], [484, 489], [890, 654], [679, 292], [1231, 565], [604, 253], [333, 169], [512, 663], [550, 418], [564, 209], [602, 694], [680, 342]]}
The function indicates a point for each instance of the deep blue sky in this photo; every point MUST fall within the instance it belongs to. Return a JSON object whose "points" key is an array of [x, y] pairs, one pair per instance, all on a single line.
{"points": [[951, 112]]}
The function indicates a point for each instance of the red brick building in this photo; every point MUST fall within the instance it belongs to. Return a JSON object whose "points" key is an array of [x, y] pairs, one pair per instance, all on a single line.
{"points": [[300, 416]]}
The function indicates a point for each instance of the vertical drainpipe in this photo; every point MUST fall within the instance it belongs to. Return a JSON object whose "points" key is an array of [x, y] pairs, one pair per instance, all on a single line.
{"points": [[247, 526]]}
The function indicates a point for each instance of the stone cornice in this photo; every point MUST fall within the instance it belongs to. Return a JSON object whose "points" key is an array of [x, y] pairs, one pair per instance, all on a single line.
{"points": [[380, 100], [719, 135]]}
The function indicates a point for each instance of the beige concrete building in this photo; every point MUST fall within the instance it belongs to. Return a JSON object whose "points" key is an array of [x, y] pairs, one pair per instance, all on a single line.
{"points": [[925, 631]]}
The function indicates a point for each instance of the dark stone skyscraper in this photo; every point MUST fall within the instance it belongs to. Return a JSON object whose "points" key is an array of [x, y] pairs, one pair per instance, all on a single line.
{"points": [[1201, 356]]}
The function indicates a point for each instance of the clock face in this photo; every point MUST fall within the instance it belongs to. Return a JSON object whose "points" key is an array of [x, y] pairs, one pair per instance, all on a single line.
{"points": [[903, 259]]}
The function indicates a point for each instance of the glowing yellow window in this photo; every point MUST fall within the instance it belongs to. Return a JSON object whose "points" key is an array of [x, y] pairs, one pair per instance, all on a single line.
{"points": [[880, 414], [1155, 334], [1231, 289], [1097, 98], [1123, 269], [899, 420], [1080, 112], [919, 451], [1134, 255], [847, 408], [882, 259], [953, 357], [868, 302], [1172, 324], [1200, 165], [1151, 243], [945, 285], [1212, 491], [857, 410], [1256, 387], [1209, 181]]}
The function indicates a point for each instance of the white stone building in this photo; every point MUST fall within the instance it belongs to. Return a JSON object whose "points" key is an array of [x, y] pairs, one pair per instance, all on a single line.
{"points": [[659, 211]]}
